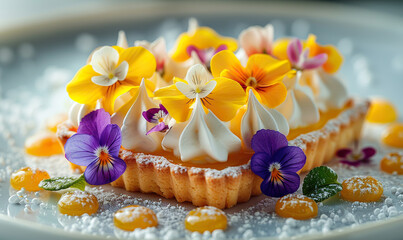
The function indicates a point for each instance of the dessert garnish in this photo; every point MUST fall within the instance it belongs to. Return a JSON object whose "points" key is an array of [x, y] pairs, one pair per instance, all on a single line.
{"points": [[201, 43], [257, 39], [361, 189], [382, 111], [133, 217], [59, 183], [300, 58], [43, 144], [77, 203], [111, 72], [296, 206], [262, 72], [205, 219], [28, 179], [355, 156], [321, 183], [220, 95], [276, 163], [393, 135], [392, 163], [158, 116], [96, 146]]}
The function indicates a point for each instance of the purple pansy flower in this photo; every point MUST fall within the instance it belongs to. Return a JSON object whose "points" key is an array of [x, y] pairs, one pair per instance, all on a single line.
{"points": [[96, 145], [276, 162], [159, 116], [300, 59], [355, 156], [205, 55]]}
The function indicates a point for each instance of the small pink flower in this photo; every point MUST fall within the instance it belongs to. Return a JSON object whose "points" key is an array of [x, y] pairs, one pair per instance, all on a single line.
{"points": [[257, 39], [355, 156], [300, 59]]}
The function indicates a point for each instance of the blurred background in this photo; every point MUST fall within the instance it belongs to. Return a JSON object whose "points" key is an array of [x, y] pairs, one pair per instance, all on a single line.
{"points": [[44, 42]]}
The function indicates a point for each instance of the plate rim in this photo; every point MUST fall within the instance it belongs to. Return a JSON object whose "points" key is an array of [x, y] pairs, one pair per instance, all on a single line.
{"points": [[73, 20]]}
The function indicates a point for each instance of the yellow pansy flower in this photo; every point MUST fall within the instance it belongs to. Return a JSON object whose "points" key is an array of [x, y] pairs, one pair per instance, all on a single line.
{"points": [[334, 58], [263, 73], [221, 95], [111, 72], [204, 42]]}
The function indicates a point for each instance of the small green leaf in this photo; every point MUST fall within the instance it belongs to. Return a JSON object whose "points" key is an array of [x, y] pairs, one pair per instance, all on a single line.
{"points": [[321, 183], [59, 183]]}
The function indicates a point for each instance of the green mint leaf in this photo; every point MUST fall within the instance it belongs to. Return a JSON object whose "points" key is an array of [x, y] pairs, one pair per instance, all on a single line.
{"points": [[321, 183], [59, 183]]}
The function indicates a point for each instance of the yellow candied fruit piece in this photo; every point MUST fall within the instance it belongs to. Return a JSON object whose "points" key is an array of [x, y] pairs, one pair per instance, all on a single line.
{"points": [[381, 111], [361, 189], [205, 219], [54, 121], [28, 179], [134, 216], [392, 163], [78, 203], [393, 135], [43, 144], [296, 206]]}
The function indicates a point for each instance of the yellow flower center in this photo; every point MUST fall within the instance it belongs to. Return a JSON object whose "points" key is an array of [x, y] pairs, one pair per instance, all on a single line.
{"points": [[160, 120], [251, 82], [198, 90], [110, 75]]}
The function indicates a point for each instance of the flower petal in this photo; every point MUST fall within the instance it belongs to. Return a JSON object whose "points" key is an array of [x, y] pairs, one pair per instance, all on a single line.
{"points": [[79, 149], [225, 99], [294, 50], [112, 139], [200, 53], [368, 152], [208, 88], [82, 90], [150, 113], [226, 60], [315, 62], [113, 92], [202, 38], [351, 163], [197, 75], [121, 71], [186, 90], [259, 164], [273, 95], [286, 183], [344, 152], [280, 48], [158, 128], [94, 123], [104, 60], [268, 141], [99, 174], [141, 62], [251, 40], [103, 80], [290, 158], [175, 102]]}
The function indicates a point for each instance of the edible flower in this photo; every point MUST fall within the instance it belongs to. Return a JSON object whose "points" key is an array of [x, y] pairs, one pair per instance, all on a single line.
{"points": [[158, 49], [204, 42], [263, 73], [300, 59], [221, 95], [111, 72], [96, 145], [257, 39], [159, 116], [355, 156], [334, 58], [276, 162]]}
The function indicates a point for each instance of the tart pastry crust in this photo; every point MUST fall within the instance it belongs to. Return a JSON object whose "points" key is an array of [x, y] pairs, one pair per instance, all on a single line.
{"points": [[225, 188]]}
